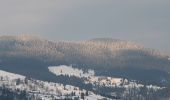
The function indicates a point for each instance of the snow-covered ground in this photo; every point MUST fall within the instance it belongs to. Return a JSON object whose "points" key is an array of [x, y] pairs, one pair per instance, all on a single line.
{"points": [[96, 80], [89, 76], [43, 90], [93, 97], [69, 70], [10, 75], [51, 90]]}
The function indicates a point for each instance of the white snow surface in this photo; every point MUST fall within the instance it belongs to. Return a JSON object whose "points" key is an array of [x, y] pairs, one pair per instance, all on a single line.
{"points": [[69, 70], [10, 75], [89, 75]]}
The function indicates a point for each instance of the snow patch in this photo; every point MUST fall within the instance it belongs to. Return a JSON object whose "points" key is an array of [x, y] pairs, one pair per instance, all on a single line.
{"points": [[69, 70], [10, 75]]}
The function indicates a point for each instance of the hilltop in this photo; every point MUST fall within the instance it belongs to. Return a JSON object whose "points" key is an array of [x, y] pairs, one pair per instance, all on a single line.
{"points": [[111, 57]]}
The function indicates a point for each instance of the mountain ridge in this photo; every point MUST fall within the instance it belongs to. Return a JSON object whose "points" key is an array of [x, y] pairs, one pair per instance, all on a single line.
{"points": [[102, 55]]}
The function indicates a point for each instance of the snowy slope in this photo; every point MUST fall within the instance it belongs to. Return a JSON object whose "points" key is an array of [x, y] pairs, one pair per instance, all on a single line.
{"points": [[90, 75], [97, 80], [10, 75], [43, 90]]}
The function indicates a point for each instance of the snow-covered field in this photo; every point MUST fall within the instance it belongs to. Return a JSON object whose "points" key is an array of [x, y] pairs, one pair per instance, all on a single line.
{"points": [[90, 75], [69, 70]]}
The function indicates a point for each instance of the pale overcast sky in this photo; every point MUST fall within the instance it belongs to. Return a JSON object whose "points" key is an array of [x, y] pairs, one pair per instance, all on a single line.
{"points": [[143, 21]]}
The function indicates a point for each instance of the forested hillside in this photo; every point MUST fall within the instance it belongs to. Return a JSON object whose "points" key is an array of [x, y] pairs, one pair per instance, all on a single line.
{"points": [[104, 55]]}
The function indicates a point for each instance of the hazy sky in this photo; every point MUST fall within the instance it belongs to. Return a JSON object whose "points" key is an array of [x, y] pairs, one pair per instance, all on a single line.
{"points": [[144, 21]]}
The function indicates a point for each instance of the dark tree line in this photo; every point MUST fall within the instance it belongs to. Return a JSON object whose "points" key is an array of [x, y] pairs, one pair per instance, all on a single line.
{"points": [[8, 94]]}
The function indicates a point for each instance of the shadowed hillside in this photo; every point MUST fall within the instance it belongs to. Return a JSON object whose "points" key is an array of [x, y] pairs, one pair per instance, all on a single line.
{"points": [[28, 54]]}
